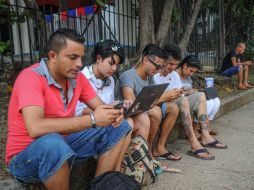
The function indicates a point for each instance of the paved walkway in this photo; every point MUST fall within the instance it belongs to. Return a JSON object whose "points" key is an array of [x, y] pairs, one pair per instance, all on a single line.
{"points": [[233, 169]]}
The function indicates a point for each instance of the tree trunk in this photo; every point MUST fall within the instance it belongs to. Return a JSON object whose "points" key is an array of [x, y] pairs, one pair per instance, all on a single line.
{"points": [[190, 24], [163, 30], [31, 4], [177, 26], [146, 23], [221, 34]]}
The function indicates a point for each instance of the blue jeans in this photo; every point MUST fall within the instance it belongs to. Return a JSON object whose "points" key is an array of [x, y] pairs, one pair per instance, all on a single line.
{"points": [[44, 156], [231, 71]]}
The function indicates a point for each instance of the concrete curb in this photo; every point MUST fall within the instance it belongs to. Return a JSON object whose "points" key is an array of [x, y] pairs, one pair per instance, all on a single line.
{"points": [[235, 101], [227, 105]]}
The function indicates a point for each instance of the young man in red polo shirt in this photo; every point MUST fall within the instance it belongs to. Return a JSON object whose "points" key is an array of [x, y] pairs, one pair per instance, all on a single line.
{"points": [[44, 137]]}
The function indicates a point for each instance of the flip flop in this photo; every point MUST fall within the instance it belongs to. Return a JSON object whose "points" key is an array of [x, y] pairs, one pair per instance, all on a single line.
{"points": [[166, 156], [202, 150], [213, 145]]}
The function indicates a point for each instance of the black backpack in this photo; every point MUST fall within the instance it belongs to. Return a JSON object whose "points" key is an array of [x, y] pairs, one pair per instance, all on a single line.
{"points": [[114, 181]]}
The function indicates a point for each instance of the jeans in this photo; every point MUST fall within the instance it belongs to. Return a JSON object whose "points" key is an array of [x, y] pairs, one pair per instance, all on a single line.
{"points": [[45, 155], [231, 71]]}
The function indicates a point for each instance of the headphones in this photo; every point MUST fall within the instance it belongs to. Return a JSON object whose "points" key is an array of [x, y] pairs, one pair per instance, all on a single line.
{"points": [[98, 83]]}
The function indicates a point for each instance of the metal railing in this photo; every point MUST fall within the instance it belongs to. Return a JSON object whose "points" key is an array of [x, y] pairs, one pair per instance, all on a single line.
{"points": [[28, 36], [29, 33]]}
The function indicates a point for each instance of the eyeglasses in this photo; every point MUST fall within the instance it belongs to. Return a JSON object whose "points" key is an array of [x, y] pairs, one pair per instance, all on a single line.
{"points": [[157, 66]]}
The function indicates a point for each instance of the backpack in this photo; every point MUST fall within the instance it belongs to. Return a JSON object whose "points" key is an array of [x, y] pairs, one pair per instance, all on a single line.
{"points": [[138, 163], [114, 181]]}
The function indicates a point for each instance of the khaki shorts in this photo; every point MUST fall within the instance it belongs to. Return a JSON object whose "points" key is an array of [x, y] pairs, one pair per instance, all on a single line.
{"points": [[193, 99]]}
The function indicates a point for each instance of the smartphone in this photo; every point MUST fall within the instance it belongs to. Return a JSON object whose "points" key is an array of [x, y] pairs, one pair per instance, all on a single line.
{"points": [[119, 105], [186, 88]]}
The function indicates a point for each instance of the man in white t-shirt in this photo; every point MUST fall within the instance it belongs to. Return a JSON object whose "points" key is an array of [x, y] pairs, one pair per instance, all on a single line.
{"points": [[103, 88], [174, 96]]}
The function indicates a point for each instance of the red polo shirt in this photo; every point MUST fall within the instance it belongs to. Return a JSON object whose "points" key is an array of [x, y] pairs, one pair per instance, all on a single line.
{"points": [[33, 88]]}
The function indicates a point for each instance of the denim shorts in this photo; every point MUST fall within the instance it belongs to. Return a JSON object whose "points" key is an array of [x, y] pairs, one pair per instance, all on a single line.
{"points": [[231, 71], [164, 109], [44, 156]]}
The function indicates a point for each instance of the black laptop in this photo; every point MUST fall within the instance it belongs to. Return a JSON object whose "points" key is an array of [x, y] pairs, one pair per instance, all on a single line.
{"points": [[146, 99], [211, 93]]}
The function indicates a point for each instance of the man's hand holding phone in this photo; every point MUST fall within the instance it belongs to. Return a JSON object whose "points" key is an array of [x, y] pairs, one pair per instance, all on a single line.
{"points": [[187, 90], [118, 105]]}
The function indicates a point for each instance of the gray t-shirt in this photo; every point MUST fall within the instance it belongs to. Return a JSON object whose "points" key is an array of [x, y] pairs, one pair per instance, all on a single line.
{"points": [[131, 79], [187, 82]]}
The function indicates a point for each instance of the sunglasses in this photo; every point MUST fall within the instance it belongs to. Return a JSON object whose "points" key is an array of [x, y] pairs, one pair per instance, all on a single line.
{"points": [[115, 48], [157, 66]]}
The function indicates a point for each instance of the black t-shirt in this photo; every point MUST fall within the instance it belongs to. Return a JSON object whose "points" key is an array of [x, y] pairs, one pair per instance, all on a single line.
{"points": [[227, 63]]}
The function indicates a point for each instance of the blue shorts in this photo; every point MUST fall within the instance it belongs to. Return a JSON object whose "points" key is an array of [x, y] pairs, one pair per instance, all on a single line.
{"points": [[231, 71], [164, 109], [44, 156]]}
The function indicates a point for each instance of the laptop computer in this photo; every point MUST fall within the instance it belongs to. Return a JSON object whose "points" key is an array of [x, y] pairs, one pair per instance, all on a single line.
{"points": [[211, 93], [146, 99]]}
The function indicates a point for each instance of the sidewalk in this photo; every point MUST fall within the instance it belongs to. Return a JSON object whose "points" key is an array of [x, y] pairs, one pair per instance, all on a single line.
{"points": [[197, 172], [233, 168]]}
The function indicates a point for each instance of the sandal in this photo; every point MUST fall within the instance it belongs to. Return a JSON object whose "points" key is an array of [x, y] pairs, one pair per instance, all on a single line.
{"points": [[197, 152]]}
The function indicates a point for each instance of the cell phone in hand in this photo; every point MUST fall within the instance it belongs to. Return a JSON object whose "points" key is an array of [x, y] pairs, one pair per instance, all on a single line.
{"points": [[186, 88], [119, 105]]}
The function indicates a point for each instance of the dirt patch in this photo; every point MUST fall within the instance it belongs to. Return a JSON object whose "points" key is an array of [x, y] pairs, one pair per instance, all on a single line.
{"points": [[3, 135]]}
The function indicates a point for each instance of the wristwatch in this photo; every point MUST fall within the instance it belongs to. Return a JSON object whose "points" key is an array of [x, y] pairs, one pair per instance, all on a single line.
{"points": [[92, 120]]}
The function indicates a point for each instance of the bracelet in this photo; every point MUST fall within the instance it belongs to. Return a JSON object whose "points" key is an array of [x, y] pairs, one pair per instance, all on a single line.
{"points": [[92, 120]]}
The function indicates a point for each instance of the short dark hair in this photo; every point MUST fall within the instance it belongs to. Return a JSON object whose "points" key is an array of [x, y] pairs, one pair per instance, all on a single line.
{"points": [[174, 51], [154, 50], [191, 61], [57, 40], [106, 49]]}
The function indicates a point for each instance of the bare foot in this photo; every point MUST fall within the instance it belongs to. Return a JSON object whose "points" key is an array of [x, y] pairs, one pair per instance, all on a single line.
{"points": [[248, 86], [241, 87]]}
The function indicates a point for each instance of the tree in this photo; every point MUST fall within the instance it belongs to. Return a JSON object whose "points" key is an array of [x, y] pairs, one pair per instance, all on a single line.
{"points": [[238, 19], [155, 24], [165, 21], [146, 23], [40, 23], [193, 13]]}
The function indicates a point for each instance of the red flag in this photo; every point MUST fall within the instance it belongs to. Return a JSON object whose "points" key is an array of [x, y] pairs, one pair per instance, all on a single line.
{"points": [[80, 11], [63, 15], [95, 8]]}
